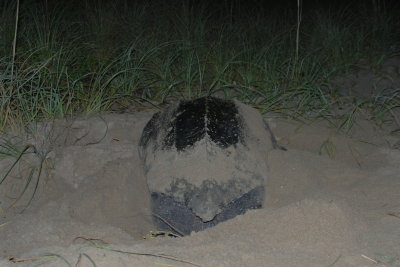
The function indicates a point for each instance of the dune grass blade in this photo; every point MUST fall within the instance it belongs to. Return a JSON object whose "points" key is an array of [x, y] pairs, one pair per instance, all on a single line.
{"points": [[9, 149], [147, 254], [86, 256], [335, 261], [14, 48], [15, 162], [45, 256]]}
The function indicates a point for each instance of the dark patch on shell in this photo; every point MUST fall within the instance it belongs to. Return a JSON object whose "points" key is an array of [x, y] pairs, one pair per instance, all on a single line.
{"points": [[181, 218], [193, 120]]}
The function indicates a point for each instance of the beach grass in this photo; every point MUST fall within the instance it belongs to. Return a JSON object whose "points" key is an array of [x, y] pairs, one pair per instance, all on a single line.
{"points": [[83, 57]]}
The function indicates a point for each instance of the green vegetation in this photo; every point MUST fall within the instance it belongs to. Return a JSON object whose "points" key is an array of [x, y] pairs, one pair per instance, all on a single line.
{"points": [[88, 56]]}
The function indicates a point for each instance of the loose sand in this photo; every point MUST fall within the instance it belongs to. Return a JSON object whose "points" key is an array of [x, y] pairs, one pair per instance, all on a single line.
{"points": [[331, 200]]}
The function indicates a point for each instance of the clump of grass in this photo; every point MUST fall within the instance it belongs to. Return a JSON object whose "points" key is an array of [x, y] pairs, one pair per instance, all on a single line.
{"points": [[12, 148], [85, 57]]}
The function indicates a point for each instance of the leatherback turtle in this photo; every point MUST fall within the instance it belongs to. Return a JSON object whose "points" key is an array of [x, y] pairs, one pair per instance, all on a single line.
{"points": [[205, 161]]}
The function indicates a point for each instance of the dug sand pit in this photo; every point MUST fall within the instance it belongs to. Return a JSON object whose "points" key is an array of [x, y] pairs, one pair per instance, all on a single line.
{"points": [[92, 204]]}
